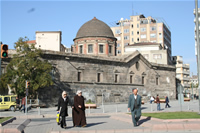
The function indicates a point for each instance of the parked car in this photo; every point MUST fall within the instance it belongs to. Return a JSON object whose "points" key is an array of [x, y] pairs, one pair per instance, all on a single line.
{"points": [[8, 102]]}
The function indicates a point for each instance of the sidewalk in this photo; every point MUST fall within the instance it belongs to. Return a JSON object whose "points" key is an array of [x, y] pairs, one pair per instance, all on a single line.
{"points": [[114, 120]]}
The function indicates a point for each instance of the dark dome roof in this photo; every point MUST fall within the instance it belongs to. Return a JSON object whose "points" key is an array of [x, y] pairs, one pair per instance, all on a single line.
{"points": [[94, 28]]}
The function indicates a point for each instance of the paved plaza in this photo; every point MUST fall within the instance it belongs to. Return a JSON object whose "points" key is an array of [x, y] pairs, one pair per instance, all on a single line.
{"points": [[109, 118]]}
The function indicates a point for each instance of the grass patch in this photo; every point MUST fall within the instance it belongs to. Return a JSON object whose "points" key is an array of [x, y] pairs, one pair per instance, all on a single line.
{"points": [[2, 119], [173, 115]]}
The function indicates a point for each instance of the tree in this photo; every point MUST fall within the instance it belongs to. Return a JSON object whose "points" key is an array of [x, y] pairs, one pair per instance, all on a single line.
{"points": [[27, 64]]}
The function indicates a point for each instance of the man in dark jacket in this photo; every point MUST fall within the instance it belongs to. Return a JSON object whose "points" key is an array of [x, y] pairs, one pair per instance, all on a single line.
{"points": [[62, 108], [158, 103], [134, 105], [167, 102]]}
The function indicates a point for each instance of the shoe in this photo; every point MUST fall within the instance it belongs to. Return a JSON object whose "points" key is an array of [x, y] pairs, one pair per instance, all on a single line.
{"points": [[64, 127], [84, 125]]}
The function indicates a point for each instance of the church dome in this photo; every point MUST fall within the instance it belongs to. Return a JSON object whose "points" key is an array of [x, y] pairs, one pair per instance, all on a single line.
{"points": [[95, 28]]}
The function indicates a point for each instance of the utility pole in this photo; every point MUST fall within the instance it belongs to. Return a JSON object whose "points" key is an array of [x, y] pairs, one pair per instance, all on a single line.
{"points": [[198, 47], [0, 58]]}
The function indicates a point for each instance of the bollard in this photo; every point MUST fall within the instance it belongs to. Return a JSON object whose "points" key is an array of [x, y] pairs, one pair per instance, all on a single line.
{"points": [[103, 109], [116, 108], [89, 109], [38, 110]]}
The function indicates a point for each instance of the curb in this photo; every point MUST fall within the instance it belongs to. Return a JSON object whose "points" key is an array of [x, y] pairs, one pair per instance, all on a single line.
{"points": [[8, 121], [17, 129]]}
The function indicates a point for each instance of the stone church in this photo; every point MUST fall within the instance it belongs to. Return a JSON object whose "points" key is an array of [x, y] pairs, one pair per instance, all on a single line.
{"points": [[93, 68]]}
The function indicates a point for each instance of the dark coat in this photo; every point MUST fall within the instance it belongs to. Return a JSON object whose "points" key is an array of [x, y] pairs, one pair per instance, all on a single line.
{"points": [[167, 100], [79, 113], [63, 105], [131, 102], [157, 99]]}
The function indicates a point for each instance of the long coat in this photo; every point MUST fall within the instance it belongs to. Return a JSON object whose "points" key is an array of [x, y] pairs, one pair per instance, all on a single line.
{"points": [[131, 102], [63, 105], [79, 113]]}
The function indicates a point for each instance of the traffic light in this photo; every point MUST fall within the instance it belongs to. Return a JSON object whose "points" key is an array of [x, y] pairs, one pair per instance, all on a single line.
{"points": [[4, 51], [27, 84]]}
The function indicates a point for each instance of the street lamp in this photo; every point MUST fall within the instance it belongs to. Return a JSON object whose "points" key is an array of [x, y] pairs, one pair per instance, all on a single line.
{"points": [[198, 46]]}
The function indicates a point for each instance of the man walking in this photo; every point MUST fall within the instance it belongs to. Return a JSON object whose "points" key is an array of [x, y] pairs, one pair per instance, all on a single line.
{"points": [[158, 103], [167, 102], [134, 105]]}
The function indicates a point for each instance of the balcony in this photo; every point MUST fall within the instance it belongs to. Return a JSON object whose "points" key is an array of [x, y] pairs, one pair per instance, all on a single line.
{"points": [[186, 72]]}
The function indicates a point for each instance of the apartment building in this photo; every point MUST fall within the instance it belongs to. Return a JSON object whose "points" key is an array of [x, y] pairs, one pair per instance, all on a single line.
{"points": [[182, 72], [153, 52], [141, 29]]}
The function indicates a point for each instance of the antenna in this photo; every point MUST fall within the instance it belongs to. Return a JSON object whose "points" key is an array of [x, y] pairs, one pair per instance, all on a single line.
{"points": [[132, 10]]}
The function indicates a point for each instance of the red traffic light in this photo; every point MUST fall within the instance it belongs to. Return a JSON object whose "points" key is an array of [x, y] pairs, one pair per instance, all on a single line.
{"points": [[4, 51]]}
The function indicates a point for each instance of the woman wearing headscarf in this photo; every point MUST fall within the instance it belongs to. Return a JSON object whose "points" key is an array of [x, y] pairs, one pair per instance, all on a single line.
{"points": [[79, 118], [62, 108]]}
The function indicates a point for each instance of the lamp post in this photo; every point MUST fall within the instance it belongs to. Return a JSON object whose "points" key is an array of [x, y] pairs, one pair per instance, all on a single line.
{"points": [[198, 46]]}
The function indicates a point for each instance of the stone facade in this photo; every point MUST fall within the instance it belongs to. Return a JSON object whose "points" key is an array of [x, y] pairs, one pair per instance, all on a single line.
{"points": [[150, 79], [133, 71]]}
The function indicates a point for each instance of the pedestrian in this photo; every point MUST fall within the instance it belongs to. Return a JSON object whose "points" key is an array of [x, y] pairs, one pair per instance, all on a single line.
{"points": [[167, 102], [17, 103], [158, 102], [151, 100], [63, 102], [23, 104], [134, 105], [78, 113]]}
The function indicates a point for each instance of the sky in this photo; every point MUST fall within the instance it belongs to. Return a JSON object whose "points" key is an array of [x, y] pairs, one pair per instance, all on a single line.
{"points": [[25, 17]]}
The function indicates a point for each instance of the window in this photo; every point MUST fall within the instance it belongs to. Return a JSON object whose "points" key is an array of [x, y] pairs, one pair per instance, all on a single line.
{"points": [[132, 39], [157, 56], [137, 65], [13, 99], [131, 78], [153, 28], [118, 31], [144, 36], [118, 45], [160, 35], [138, 32], [79, 76], [81, 49], [138, 25], [90, 48], [126, 44], [142, 80], [152, 35], [116, 76], [0, 99], [100, 48], [126, 37], [132, 25], [143, 29], [110, 49], [119, 51], [126, 30], [132, 32], [98, 77], [138, 39], [156, 80], [6, 99]]}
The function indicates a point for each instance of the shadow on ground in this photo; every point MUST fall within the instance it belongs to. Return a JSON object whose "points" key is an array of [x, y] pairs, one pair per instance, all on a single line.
{"points": [[144, 120]]}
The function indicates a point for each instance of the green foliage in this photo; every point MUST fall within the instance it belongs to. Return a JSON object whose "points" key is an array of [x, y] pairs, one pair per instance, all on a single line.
{"points": [[89, 102], [27, 64]]}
